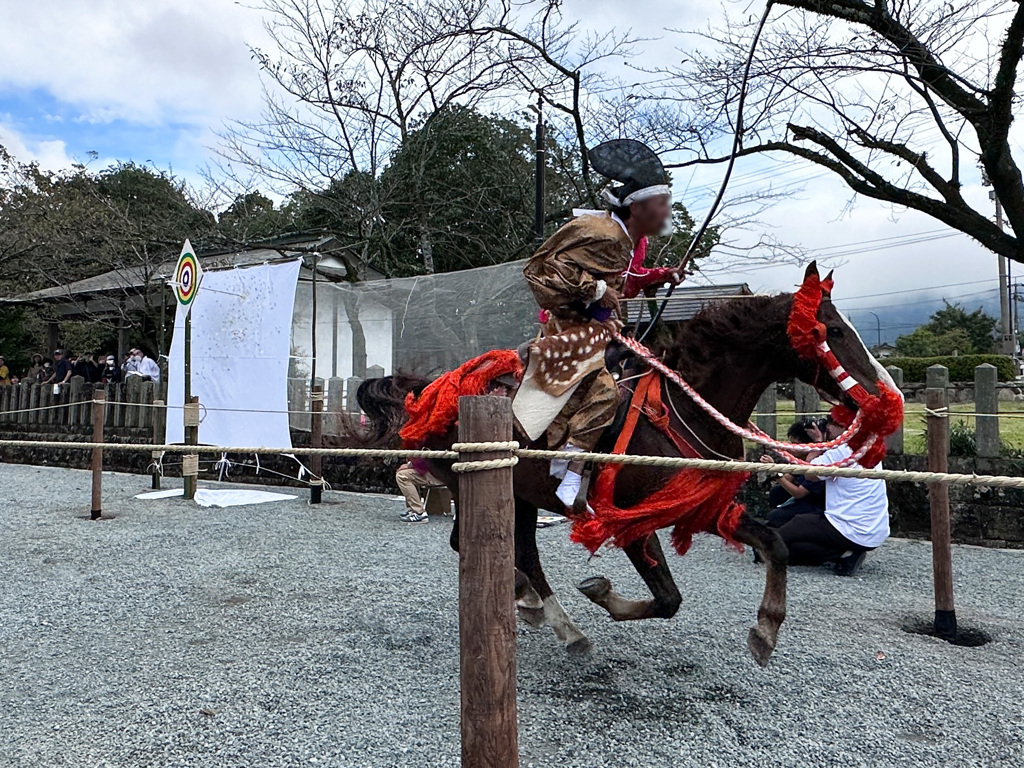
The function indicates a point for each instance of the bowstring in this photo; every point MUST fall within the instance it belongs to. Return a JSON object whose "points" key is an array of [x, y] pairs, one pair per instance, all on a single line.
{"points": [[737, 141]]}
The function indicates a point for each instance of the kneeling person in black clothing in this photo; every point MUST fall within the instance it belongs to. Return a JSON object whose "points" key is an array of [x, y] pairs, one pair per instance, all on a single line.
{"points": [[795, 494], [856, 518]]}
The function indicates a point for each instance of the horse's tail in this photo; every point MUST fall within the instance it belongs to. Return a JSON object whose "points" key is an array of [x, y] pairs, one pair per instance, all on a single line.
{"points": [[383, 402]]}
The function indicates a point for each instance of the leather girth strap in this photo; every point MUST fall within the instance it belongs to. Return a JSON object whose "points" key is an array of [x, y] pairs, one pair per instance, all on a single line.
{"points": [[647, 400]]}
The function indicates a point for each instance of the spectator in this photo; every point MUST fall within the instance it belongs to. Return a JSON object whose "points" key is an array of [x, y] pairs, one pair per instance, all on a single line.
{"points": [[61, 369], [5, 372], [37, 373], [803, 432], [110, 373], [86, 368], [412, 478], [856, 519], [141, 365]]}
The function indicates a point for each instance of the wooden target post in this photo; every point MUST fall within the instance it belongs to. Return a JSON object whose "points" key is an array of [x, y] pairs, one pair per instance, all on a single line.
{"points": [[487, 621], [938, 501], [99, 397]]}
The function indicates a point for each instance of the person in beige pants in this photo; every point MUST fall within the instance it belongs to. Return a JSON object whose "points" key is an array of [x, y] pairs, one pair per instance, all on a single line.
{"points": [[412, 482]]}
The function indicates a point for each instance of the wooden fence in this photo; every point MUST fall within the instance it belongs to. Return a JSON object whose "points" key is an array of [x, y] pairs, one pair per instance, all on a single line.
{"points": [[49, 408], [985, 392]]}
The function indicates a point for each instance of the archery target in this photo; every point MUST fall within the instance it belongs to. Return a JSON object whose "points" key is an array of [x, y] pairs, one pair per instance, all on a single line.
{"points": [[186, 278]]}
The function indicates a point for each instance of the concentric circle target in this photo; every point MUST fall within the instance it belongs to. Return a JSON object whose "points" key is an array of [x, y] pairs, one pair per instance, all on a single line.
{"points": [[185, 278]]}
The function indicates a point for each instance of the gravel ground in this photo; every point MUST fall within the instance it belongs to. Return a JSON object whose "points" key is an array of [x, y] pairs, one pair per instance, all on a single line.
{"points": [[282, 635]]}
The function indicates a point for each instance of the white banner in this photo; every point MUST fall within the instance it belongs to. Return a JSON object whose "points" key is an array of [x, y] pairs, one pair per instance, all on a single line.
{"points": [[241, 342]]}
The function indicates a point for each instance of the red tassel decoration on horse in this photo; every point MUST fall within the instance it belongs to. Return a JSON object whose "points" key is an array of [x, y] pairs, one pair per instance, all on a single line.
{"points": [[435, 411], [881, 414], [693, 501]]}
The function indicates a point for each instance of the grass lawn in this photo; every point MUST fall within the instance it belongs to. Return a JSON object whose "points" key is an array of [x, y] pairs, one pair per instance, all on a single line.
{"points": [[1011, 428]]}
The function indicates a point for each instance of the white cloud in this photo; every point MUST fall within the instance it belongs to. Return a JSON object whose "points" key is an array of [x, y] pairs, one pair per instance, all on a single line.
{"points": [[151, 62], [50, 155]]}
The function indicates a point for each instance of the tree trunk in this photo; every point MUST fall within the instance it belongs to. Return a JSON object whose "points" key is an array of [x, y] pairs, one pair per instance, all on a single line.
{"points": [[427, 249]]}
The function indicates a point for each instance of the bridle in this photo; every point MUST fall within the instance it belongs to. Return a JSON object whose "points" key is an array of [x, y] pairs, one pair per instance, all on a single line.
{"points": [[876, 416]]}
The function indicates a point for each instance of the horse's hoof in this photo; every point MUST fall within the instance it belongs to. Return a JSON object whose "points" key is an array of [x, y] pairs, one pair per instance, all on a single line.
{"points": [[760, 646], [532, 616], [596, 587], [579, 649]]}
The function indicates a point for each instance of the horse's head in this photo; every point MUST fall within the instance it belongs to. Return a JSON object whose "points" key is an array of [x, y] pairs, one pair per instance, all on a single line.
{"points": [[838, 364]]}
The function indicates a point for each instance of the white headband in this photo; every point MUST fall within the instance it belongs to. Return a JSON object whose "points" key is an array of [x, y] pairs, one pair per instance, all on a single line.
{"points": [[636, 197]]}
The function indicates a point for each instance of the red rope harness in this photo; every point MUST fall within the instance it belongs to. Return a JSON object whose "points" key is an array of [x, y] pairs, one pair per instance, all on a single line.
{"points": [[692, 501]]}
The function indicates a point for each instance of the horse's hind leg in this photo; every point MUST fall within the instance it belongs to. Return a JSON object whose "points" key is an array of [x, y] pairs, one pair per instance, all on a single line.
{"points": [[772, 612], [528, 562], [530, 606], [649, 560]]}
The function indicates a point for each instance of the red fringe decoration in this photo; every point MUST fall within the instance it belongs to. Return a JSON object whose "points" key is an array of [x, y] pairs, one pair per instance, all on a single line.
{"points": [[880, 415], [435, 411], [693, 501], [806, 332]]}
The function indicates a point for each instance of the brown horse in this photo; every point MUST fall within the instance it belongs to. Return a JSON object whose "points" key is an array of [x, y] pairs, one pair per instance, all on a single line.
{"points": [[730, 353]]}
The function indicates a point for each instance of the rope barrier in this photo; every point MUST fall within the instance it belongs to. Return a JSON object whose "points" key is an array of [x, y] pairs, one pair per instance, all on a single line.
{"points": [[894, 475]]}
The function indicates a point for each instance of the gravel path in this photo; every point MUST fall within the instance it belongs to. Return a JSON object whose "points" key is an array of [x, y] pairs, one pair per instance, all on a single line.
{"points": [[283, 635]]}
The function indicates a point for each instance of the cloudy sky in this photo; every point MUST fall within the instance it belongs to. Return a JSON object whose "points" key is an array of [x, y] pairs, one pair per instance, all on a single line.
{"points": [[150, 81]]}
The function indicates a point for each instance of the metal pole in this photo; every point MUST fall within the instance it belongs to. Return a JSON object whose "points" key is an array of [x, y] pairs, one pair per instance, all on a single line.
{"points": [[540, 151], [316, 404], [1005, 341], [163, 322], [99, 396], [878, 329], [487, 621]]}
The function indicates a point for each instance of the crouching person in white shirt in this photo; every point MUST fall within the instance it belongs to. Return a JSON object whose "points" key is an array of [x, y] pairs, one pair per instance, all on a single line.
{"points": [[856, 518]]}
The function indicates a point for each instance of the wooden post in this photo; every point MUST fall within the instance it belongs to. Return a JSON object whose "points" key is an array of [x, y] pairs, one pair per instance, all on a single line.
{"points": [[158, 437], [938, 501], [335, 406], [98, 416], [487, 622], [767, 419], [190, 461], [316, 463], [894, 442], [33, 402], [806, 399], [986, 401]]}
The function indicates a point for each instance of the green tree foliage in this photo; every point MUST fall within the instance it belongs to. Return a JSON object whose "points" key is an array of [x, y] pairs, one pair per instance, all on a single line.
{"points": [[459, 193], [252, 217], [950, 331], [961, 367]]}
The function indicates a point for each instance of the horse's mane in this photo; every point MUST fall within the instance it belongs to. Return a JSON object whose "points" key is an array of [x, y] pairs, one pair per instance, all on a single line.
{"points": [[383, 402], [747, 323]]}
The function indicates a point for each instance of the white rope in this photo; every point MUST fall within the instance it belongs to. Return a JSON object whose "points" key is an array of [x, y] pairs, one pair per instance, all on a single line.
{"points": [[508, 445], [715, 465]]}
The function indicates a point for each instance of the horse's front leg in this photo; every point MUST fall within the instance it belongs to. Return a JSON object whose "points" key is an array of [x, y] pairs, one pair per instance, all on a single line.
{"points": [[772, 612], [535, 599], [649, 560]]}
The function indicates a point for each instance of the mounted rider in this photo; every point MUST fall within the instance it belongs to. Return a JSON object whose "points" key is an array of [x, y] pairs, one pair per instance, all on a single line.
{"points": [[578, 276]]}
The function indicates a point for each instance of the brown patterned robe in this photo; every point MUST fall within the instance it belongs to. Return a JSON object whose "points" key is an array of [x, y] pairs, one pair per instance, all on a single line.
{"points": [[563, 276]]}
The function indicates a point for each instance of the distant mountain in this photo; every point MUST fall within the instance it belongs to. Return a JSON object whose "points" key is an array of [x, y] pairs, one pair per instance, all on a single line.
{"points": [[908, 311]]}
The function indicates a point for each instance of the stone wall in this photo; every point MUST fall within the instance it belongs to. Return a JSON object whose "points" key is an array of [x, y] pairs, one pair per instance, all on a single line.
{"points": [[992, 517], [343, 474]]}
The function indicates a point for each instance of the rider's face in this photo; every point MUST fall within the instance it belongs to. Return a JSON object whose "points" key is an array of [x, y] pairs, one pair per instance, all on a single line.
{"points": [[651, 216]]}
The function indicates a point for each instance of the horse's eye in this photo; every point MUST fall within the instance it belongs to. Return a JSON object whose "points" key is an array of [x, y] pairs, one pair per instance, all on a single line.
{"points": [[835, 332]]}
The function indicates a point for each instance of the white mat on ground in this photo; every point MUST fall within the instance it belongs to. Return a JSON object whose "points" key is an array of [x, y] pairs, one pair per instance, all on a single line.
{"points": [[241, 340], [225, 497]]}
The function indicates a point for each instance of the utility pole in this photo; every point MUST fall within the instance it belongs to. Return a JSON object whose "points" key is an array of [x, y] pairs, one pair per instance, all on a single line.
{"points": [[540, 154], [1006, 345], [878, 329]]}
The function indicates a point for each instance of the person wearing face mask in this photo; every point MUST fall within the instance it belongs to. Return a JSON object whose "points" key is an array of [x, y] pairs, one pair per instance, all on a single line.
{"points": [[111, 371], [141, 365]]}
